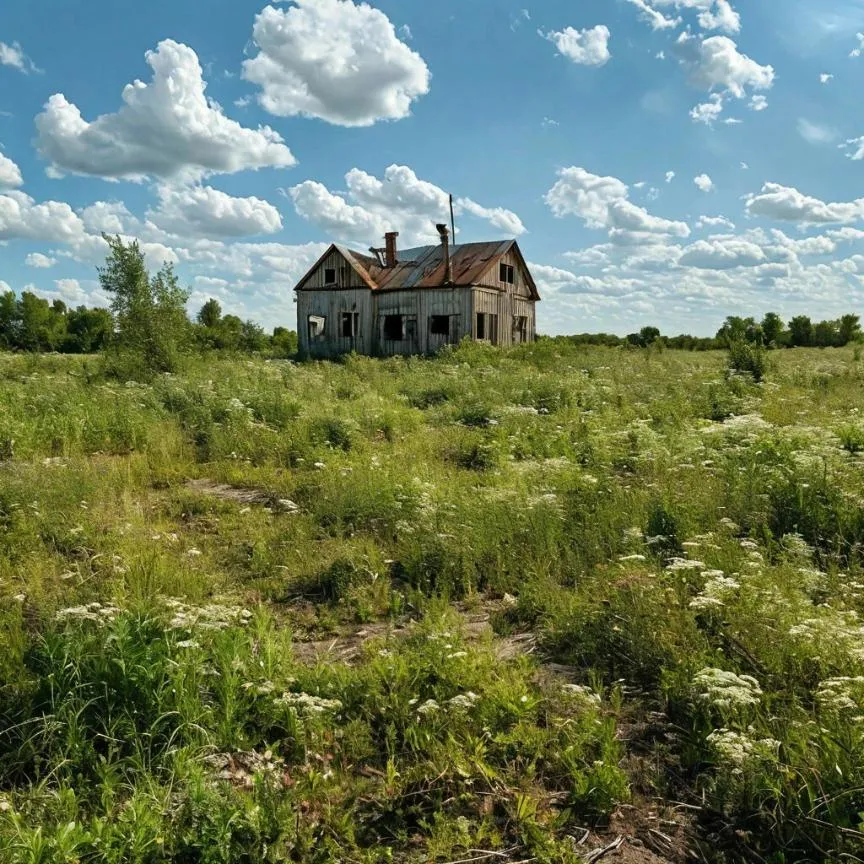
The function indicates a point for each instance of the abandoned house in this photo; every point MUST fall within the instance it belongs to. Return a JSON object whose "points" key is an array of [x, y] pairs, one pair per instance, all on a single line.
{"points": [[415, 301]]}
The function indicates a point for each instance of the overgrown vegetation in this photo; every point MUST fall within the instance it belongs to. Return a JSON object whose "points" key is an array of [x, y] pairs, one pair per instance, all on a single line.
{"points": [[145, 331], [428, 610]]}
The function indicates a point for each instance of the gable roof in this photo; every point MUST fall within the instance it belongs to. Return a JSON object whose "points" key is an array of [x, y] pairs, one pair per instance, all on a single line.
{"points": [[424, 266]]}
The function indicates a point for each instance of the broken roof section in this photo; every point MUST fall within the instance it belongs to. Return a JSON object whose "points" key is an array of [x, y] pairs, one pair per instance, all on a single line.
{"points": [[426, 267]]}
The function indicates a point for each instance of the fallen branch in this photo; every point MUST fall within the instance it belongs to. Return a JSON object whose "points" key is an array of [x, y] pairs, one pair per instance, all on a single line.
{"points": [[597, 854]]}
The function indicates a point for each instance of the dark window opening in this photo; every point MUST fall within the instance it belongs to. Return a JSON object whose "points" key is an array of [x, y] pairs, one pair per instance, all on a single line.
{"points": [[439, 325], [317, 324], [411, 328], [487, 327], [492, 328], [507, 273], [394, 328], [329, 275], [350, 325]]}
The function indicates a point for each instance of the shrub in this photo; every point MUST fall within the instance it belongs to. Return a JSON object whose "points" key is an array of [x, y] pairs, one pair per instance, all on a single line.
{"points": [[748, 358]]}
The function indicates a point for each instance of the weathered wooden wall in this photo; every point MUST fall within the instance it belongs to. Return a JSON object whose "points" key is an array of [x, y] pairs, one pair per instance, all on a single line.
{"points": [[506, 305], [490, 278], [422, 304], [349, 294]]}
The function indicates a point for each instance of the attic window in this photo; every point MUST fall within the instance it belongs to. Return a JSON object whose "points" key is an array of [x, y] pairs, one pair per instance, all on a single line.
{"points": [[329, 275], [506, 273]]}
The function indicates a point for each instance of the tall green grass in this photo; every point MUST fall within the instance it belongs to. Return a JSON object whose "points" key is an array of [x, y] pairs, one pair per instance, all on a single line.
{"points": [[684, 545]]}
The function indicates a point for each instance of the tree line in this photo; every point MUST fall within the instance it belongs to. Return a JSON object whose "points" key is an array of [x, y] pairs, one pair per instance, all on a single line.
{"points": [[771, 332], [147, 316]]}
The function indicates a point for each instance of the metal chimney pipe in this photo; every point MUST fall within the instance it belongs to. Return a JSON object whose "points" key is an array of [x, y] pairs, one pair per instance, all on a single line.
{"points": [[444, 233], [390, 248]]}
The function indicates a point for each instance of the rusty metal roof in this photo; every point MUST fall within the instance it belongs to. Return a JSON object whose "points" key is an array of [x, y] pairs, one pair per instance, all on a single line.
{"points": [[424, 266]]}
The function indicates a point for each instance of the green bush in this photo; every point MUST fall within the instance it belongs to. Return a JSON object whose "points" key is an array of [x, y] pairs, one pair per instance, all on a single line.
{"points": [[748, 358]]}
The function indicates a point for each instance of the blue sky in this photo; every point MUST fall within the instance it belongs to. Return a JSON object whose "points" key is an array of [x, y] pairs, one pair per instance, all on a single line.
{"points": [[257, 133]]}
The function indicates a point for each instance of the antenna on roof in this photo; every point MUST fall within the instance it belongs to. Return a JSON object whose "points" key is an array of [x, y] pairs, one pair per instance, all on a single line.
{"points": [[452, 222]]}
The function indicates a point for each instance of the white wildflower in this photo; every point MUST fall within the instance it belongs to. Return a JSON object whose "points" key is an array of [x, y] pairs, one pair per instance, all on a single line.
{"points": [[725, 689], [95, 612], [677, 564], [582, 693], [430, 706], [188, 643], [740, 749], [842, 694], [306, 703], [718, 589]]}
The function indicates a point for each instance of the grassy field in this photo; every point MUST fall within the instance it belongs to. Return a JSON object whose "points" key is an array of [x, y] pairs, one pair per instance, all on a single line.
{"points": [[489, 607]]}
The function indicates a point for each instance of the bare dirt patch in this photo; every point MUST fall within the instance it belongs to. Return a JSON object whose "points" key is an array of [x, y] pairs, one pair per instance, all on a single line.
{"points": [[240, 495]]}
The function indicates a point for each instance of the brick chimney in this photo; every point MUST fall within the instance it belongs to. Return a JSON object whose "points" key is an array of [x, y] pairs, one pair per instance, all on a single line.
{"points": [[390, 248], [444, 234]]}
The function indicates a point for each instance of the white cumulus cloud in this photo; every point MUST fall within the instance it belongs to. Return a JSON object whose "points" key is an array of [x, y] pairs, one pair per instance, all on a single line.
{"points": [[589, 47], [401, 201], [654, 17], [22, 218], [708, 112], [704, 183], [720, 17], [498, 217], [715, 222], [204, 211], [39, 261], [718, 67], [10, 173], [335, 60], [603, 202], [787, 204], [721, 66], [722, 254], [165, 128]]}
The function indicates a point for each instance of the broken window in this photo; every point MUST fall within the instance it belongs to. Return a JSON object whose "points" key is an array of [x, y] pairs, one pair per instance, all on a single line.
{"points": [[394, 328], [411, 328], [506, 273], [317, 324], [439, 325], [329, 275], [492, 328], [520, 328], [487, 327], [350, 325]]}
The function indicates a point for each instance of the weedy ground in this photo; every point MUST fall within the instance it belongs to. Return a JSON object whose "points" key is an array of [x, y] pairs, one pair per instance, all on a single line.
{"points": [[495, 606]]}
